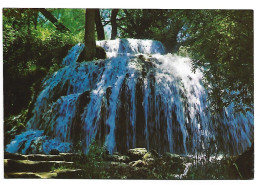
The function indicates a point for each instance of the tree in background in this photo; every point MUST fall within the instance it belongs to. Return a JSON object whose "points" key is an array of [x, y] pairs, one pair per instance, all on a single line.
{"points": [[161, 25], [99, 26], [90, 42], [33, 46], [221, 41], [114, 23]]}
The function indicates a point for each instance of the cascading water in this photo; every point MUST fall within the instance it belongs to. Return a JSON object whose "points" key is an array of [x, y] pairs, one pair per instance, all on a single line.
{"points": [[138, 97]]}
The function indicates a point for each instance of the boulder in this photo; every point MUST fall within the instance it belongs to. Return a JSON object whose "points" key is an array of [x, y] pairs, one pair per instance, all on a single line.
{"points": [[136, 153], [138, 163], [118, 158], [150, 161], [172, 157], [117, 164], [152, 154]]}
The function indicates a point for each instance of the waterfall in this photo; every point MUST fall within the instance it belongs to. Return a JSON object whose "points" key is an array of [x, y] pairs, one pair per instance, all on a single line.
{"points": [[138, 97]]}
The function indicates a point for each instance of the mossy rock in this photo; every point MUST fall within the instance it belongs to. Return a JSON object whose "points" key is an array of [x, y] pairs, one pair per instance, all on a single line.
{"points": [[152, 154], [138, 163], [118, 158], [136, 153], [172, 157]]}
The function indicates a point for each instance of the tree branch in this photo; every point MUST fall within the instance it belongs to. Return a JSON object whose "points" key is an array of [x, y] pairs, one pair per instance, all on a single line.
{"points": [[51, 18]]}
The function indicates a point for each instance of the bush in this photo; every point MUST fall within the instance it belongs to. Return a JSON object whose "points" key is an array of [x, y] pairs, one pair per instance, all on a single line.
{"points": [[93, 163]]}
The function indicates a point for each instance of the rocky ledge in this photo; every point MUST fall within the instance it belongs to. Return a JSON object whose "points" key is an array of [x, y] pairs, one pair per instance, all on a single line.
{"points": [[142, 164], [41, 166], [138, 163]]}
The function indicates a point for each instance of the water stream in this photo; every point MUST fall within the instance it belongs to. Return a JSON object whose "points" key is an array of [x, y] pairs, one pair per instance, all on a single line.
{"points": [[138, 97]]}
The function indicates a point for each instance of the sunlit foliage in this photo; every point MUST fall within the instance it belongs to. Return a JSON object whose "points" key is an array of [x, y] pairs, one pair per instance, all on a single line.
{"points": [[220, 41]]}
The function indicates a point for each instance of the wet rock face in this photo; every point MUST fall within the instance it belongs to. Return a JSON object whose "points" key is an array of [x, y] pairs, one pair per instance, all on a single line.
{"points": [[135, 98]]}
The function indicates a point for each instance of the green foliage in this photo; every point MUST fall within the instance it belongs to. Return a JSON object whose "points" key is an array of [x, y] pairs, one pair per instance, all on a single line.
{"points": [[212, 170], [93, 163], [72, 18], [143, 23], [161, 25], [221, 41], [183, 51], [30, 45], [13, 126], [96, 166]]}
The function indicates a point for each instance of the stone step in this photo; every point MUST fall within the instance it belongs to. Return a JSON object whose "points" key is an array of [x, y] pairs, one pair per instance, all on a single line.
{"points": [[58, 174], [12, 165], [71, 156], [15, 156], [69, 173], [22, 175], [43, 157]]}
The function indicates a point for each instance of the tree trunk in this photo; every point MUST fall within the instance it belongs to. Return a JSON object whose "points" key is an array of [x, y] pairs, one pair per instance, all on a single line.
{"points": [[35, 17], [90, 42], [99, 26], [51, 18], [113, 23]]}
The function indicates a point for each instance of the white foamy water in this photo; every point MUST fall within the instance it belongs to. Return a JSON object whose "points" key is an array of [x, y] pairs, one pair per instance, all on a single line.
{"points": [[138, 97]]}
